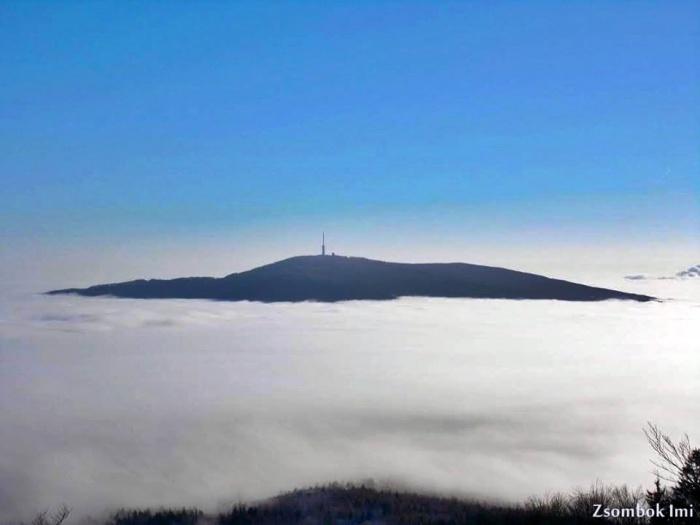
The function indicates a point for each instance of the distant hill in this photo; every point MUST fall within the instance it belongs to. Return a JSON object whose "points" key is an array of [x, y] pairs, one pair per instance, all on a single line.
{"points": [[692, 272], [366, 505], [337, 278]]}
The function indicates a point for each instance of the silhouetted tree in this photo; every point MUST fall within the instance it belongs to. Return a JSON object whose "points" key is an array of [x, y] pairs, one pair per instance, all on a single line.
{"points": [[688, 486], [660, 498], [680, 463]]}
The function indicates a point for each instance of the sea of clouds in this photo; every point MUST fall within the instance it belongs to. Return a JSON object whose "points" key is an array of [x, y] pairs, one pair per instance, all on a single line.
{"points": [[110, 402]]}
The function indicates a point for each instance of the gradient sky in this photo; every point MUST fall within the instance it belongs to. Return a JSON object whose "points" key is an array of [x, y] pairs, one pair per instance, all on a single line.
{"points": [[176, 120]]}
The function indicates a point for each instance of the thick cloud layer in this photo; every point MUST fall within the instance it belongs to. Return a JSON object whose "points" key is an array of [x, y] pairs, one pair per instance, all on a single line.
{"points": [[108, 402]]}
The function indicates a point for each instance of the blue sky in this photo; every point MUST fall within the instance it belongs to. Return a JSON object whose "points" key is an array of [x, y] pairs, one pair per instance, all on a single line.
{"points": [[136, 120]]}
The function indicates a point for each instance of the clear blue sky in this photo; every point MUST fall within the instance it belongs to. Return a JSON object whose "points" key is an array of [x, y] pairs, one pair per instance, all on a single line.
{"points": [[120, 119]]}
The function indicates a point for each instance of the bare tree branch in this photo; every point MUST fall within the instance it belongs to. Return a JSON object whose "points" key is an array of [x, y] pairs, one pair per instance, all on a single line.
{"points": [[60, 515], [672, 455], [57, 518]]}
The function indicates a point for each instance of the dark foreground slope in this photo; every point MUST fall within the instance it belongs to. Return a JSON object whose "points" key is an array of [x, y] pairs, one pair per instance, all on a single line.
{"points": [[361, 505], [335, 278]]}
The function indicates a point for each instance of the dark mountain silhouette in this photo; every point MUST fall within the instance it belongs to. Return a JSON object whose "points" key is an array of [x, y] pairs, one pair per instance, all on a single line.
{"points": [[337, 278]]}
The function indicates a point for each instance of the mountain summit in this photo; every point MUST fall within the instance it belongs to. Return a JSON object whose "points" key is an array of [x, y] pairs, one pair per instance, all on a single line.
{"points": [[338, 278]]}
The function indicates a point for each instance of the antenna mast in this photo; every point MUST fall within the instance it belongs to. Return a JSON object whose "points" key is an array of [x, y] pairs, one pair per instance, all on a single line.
{"points": [[323, 244]]}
